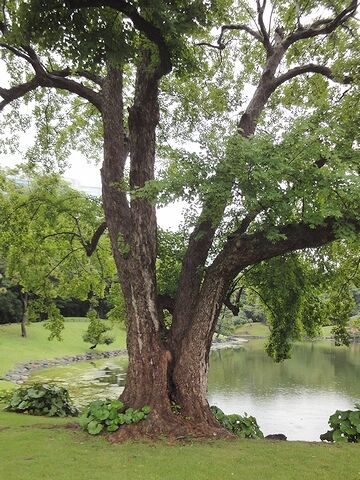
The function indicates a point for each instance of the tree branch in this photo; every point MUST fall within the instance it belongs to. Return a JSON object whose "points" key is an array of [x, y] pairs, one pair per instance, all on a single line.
{"points": [[61, 261], [18, 91], [310, 68], [322, 26], [73, 234], [240, 27], [90, 247], [44, 78], [241, 251], [230, 306], [264, 33], [67, 72], [151, 32], [15, 51]]}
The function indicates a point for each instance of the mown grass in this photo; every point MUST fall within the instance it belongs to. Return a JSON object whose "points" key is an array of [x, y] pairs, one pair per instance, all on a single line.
{"points": [[14, 349], [262, 330], [254, 329], [43, 449]]}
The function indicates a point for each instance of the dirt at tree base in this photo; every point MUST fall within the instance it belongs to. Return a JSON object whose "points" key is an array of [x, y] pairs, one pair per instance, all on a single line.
{"points": [[173, 430]]}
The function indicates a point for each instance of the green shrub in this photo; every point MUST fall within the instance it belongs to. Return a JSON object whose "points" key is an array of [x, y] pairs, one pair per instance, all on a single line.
{"points": [[110, 415], [243, 426], [5, 396], [38, 399], [345, 426], [96, 333]]}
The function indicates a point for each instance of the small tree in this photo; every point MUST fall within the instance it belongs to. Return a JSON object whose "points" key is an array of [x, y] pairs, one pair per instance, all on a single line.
{"points": [[97, 331]]}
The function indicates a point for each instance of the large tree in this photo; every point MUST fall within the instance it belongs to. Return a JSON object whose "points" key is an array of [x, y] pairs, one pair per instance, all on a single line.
{"points": [[258, 194]]}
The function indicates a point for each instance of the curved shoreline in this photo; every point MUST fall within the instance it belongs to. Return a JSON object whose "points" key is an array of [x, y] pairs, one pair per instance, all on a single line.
{"points": [[21, 372]]}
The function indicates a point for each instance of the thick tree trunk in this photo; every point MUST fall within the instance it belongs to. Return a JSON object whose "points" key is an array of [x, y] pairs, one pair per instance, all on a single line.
{"points": [[164, 366], [152, 377], [192, 356]]}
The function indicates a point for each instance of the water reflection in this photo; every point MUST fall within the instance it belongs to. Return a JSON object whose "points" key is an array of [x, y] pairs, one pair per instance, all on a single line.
{"points": [[295, 397], [87, 381]]}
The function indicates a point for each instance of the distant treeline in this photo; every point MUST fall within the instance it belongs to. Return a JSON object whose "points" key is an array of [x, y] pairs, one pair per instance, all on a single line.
{"points": [[11, 307]]}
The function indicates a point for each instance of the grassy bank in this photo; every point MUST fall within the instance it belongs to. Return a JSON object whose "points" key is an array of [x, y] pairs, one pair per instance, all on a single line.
{"points": [[14, 349], [38, 448], [262, 330], [253, 329]]}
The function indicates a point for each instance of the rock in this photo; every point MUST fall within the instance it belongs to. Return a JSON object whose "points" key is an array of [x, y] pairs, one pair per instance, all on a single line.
{"points": [[276, 436], [22, 371]]}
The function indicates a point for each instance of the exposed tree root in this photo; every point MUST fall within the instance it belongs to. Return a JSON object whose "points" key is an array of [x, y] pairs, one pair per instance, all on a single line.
{"points": [[174, 429]]}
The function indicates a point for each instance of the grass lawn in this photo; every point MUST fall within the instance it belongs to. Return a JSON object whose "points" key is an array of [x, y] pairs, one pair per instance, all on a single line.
{"points": [[261, 330], [42, 449], [255, 329], [14, 349]]}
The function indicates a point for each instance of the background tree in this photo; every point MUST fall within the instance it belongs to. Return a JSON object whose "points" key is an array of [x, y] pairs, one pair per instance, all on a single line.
{"points": [[10, 305], [46, 243], [267, 182]]}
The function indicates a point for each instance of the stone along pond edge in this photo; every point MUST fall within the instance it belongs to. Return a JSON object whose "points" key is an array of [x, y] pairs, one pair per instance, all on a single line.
{"points": [[22, 371]]}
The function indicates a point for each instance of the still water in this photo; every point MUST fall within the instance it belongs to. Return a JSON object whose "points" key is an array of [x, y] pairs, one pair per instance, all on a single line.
{"points": [[295, 397]]}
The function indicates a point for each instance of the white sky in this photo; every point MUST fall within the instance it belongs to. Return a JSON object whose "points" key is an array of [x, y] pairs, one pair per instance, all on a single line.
{"points": [[83, 174]]}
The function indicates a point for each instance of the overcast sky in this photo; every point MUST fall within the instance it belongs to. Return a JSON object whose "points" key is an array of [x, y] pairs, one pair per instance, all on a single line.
{"points": [[84, 174]]}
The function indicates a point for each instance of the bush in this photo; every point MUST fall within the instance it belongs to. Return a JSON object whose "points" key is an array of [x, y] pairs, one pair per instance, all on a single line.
{"points": [[110, 415], [243, 426], [96, 333], [5, 396], [345, 426], [38, 399]]}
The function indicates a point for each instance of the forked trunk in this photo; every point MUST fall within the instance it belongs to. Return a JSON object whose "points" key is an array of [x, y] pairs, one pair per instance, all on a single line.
{"points": [[161, 371], [170, 377]]}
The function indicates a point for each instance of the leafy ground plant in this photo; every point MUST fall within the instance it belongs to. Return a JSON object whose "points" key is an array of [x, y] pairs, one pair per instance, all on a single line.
{"points": [[345, 426], [110, 415], [243, 426], [42, 399]]}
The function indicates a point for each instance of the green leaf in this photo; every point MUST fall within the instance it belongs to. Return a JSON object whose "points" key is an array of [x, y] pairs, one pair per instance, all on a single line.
{"points": [[354, 418], [338, 436], [146, 409], [32, 393], [94, 428], [112, 427]]}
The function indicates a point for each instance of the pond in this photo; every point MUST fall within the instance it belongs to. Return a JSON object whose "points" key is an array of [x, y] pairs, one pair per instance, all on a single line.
{"points": [[295, 397]]}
